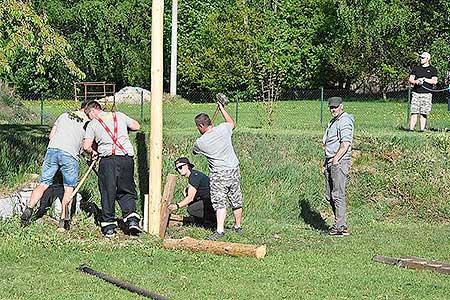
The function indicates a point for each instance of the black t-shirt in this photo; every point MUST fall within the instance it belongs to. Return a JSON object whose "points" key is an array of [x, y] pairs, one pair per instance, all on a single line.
{"points": [[426, 72], [201, 182]]}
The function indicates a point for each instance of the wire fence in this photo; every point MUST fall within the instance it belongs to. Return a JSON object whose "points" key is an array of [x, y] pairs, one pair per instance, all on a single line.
{"points": [[295, 109]]}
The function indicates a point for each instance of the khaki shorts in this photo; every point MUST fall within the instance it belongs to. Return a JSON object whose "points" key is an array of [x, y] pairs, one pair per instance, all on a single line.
{"points": [[225, 184], [421, 103]]}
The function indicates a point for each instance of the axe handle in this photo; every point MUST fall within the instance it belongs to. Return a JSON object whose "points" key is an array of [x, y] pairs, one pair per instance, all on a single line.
{"points": [[215, 114], [65, 209], [75, 191]]}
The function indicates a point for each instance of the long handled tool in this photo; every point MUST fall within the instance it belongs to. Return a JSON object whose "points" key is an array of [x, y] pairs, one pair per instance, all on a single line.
{"points": [[223, 100], [121, 284], [65, 212]]}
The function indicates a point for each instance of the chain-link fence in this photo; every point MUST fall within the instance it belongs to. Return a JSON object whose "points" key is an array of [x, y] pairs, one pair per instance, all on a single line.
{"points": [[294, 109]]}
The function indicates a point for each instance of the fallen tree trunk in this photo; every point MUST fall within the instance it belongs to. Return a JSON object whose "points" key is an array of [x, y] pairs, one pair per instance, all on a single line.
{"points": [[233, 249]]}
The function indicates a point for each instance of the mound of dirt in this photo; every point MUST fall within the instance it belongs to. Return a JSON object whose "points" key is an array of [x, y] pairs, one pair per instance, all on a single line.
{"points": [[129, 94]]}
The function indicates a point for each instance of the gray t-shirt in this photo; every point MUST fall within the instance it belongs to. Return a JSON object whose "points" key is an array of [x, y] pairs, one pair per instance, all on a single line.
{"points": [[340, 129], [95, 131], [217, 147], [69, 133]]}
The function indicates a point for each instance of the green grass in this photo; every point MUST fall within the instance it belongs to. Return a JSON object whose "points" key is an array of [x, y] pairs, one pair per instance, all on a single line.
{"points": [[398, 206]]}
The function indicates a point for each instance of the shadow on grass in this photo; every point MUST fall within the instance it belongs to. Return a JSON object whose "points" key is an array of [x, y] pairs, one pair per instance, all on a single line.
{"points": [[311, 217], [24, 146]]}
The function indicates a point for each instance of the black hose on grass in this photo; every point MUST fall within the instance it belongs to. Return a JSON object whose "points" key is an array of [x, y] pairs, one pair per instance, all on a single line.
{"points": [[121, 284]]}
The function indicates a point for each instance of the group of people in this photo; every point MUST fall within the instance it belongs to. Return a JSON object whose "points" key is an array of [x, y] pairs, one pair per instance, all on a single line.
{"points": [[105, 138], [103, 135]]}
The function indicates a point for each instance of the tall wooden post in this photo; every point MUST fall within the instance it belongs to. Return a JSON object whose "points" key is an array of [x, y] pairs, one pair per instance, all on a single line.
{"points": [[173, 53], [154, 205]]}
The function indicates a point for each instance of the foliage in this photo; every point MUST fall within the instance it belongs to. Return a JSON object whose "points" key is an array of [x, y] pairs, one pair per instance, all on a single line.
{"points": [[256, 47], [33, 55]]}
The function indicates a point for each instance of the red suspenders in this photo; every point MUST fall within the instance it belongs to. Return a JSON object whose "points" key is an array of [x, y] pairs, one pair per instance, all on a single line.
{"points": [[114, 136]]}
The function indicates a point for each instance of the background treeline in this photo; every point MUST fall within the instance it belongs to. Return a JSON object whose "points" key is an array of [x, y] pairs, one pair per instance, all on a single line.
{"points": [[258, 47]]}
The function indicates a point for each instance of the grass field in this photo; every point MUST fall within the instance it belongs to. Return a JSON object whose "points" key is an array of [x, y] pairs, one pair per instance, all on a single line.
{"points": [[398, 206]]}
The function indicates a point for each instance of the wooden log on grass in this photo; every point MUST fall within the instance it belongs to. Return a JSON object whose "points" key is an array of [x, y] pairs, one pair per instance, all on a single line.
{"points": [[416, 263], [233, 249], [167, 197]]}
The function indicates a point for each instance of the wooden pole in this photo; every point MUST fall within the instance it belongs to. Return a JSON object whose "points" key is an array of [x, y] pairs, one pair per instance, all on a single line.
{"points": [[154, 205], [167, 197], [173, 52], [233, 249]]}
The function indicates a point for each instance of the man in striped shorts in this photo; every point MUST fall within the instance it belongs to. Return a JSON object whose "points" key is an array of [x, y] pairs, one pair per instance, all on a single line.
{"points": [[215, 144]]}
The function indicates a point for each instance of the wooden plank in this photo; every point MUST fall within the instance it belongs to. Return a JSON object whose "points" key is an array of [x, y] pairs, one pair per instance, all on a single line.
{"points": [[167, 197], [175, 220], [233, 249], [415, 263], [385, 259]]}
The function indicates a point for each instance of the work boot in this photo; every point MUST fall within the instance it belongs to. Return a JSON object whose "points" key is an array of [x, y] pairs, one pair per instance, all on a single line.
{"points": [[133, 227], [110, 233], [25, 219]]}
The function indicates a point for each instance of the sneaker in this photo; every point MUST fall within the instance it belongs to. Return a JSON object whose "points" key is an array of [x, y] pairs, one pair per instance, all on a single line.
{"points": [[110, 233], [238, 230], [133, 228], [345, 231], [25, 219], [215, 236], [334, 232]]}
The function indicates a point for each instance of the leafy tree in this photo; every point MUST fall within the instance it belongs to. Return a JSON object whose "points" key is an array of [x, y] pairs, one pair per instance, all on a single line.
{"points": [[33, 55], [373, 46]]}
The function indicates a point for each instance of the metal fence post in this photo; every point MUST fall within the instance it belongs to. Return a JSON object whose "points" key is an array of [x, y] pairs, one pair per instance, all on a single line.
{"points": [[237, 107], [408, 108], [321, 105], [142, 106], [42, 109]]}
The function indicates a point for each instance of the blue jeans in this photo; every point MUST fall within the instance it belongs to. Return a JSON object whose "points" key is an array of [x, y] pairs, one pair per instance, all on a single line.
{"points": [[59, 159]]}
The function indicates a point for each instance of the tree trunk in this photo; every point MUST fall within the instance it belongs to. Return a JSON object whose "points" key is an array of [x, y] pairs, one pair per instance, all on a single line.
{"points": [[233, 249]]}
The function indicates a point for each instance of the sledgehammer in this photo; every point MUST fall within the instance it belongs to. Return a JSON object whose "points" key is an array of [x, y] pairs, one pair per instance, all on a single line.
{"points": [[222, 99]]}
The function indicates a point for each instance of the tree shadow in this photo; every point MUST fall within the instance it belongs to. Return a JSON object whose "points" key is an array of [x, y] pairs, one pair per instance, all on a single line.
{"points": [[312, 217], [142, 166]]}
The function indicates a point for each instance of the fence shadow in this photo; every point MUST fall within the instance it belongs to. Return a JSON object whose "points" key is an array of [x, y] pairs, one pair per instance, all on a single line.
{"points": [[312, 217], [142, 166]]}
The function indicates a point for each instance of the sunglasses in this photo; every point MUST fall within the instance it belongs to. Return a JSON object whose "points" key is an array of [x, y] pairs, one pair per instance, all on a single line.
{"points": [[333, 107], [178, 168], [422, 57]]}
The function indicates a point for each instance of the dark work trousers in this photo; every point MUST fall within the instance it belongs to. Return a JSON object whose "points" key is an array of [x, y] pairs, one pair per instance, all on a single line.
{"points": [[203, 213], [116, 182], [335, 186]]}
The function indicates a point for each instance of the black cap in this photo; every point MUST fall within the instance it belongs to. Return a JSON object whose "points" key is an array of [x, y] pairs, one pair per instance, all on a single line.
{"points": [[334, 101], [183, 160]]}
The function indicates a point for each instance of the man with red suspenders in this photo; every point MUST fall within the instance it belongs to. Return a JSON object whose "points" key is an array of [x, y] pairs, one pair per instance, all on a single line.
{"points": [[116, 168]]}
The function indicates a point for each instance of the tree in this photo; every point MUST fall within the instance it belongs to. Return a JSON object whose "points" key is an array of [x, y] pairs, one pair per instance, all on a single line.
{"points": [[33, 56], [372, 46]]}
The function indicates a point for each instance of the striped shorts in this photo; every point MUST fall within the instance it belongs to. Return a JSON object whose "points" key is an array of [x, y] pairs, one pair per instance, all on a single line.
{"points": [[421, 103], [225, 184]]}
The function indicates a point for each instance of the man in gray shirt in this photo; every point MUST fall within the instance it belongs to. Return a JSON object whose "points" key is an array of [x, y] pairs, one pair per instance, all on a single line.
{"points": [[66, 138], [116, 168], [337, 143], [224, 174]]}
